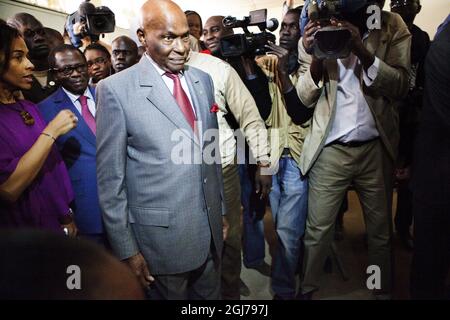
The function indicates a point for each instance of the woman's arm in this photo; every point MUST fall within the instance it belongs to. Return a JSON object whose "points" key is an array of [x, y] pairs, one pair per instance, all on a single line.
{"points": [[32, 161]]}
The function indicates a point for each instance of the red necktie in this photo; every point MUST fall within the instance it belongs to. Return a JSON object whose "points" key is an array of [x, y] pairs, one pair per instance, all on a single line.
{"points": [[182, 99], [87, 115]]}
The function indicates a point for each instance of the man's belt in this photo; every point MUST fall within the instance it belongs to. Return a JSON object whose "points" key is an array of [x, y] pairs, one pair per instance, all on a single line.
{"points": [[286, 152], [352, 144]]}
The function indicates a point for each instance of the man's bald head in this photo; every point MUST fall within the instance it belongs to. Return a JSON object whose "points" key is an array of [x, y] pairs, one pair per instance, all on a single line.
{"points": [[213, 30], [19, 20], [164, 32], [153, 13], [124, 53]]}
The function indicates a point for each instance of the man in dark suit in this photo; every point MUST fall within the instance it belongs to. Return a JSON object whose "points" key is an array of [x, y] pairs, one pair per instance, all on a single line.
{"points": [[409, 115], [431, 177], [68, 66], [34, 35], [163, 214]]}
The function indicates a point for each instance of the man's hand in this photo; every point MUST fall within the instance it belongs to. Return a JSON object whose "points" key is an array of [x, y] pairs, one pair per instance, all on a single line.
{"points": [[263, 184], [139, 267], [308, 35], [225, 227], [282, 54], [282, 66], [316, 67], [402, 174], [357, 44], [71, 228], [79, 28]]}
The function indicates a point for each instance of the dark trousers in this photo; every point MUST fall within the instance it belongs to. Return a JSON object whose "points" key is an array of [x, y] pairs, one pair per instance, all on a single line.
{"points": [[404, 215], [231, 255], [431, 259], [202, 283]]}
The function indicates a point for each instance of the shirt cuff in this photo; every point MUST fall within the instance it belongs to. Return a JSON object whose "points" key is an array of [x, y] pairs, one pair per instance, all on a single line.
{"points": [[372, 72], [263, 158]]}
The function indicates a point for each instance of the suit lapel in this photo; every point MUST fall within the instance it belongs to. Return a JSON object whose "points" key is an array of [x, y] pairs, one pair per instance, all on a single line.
{"points": [[159, 96], [82, 128], [197, 93]]}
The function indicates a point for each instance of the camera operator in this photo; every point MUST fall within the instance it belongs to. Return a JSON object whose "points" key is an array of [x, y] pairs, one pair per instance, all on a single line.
{"points": [[79, 33], [354, 135], [289, 195], [254, 207], [409, 115]]}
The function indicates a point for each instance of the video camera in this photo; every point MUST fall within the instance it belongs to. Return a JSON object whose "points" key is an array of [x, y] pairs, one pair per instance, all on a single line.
{"points": [[249, 44], [331, 42], [96, 21]]}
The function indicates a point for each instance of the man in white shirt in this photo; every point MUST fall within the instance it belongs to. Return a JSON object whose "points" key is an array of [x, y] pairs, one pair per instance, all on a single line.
{"points": [[354, 136]]}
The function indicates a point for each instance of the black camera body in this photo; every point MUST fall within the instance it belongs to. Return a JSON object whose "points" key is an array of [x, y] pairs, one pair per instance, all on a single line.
{"points": [[248, 44], [98, 20], [332, 42]]}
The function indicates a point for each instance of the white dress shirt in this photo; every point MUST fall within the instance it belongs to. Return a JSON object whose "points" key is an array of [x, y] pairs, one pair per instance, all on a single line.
{"points": [[90, 100], [170, 83], [353, 120]]}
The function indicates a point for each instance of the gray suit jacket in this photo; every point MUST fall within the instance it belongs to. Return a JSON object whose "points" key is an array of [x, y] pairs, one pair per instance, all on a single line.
{"points": [[167, 211]]}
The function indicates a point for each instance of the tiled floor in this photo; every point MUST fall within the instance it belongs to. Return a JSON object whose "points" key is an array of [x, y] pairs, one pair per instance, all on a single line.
{"points": [[353, 254]]}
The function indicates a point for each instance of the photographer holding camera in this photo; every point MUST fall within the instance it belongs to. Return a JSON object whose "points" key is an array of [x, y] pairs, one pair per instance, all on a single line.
{"points": [[85, 25], [354, 134], [289, 195]]}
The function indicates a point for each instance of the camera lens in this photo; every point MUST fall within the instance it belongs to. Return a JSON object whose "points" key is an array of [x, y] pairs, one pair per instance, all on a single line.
{"points": [[99, 22], [332, 42]]}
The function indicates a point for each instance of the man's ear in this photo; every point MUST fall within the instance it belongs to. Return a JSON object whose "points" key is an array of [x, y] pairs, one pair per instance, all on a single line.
{"points": [[141, 36]]}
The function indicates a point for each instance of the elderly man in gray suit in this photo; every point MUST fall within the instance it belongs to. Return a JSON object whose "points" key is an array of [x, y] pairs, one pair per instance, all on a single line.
{"points": [[163, 218]]}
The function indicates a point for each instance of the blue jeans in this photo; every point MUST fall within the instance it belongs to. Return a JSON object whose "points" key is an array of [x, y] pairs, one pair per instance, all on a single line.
{"points": [[289, 203], [253, 233]]}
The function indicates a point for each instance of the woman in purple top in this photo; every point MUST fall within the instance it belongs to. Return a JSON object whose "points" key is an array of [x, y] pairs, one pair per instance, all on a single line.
{"points": [[35, 189]]}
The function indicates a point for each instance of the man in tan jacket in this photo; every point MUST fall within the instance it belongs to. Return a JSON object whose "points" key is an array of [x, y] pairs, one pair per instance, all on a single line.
{"points": [[231, 96], [353, 137]]}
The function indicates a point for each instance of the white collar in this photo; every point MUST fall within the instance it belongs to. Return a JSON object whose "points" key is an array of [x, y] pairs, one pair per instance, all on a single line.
{"points": [[160, 71], [74, 97]]}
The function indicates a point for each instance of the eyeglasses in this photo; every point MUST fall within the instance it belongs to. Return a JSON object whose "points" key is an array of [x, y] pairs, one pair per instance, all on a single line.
{"points": [[68, 70], [99, 61], [28, 33]]}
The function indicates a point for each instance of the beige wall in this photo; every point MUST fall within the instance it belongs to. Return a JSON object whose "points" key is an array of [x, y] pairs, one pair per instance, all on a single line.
{"points": [[48, 18], [433, 12]]}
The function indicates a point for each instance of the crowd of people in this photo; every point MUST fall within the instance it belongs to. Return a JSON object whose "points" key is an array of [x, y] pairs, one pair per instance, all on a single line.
{"points": [[90, 148]]}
